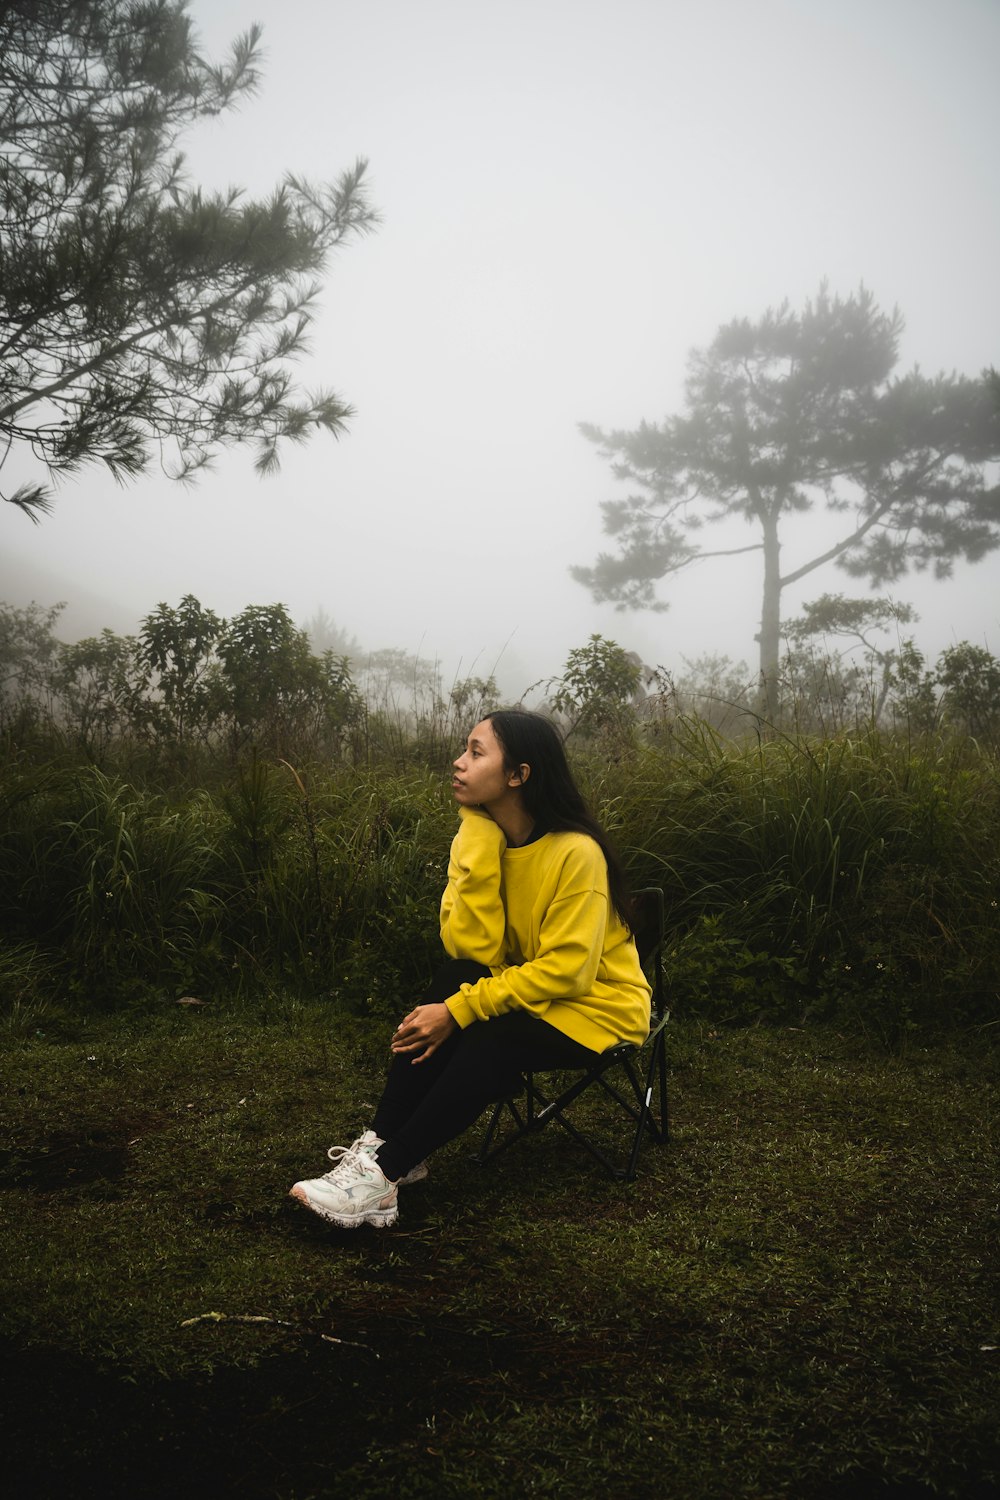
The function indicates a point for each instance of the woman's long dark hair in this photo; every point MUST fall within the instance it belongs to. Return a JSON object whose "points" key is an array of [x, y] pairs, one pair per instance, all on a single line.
{"points": [[551, 796]]}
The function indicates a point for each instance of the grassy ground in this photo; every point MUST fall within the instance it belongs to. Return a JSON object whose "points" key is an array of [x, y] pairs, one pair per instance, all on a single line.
{"points": [[798, 1297]]}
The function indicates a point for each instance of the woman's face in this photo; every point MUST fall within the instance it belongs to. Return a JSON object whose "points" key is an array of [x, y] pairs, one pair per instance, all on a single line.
{"points": [[481, 778]]}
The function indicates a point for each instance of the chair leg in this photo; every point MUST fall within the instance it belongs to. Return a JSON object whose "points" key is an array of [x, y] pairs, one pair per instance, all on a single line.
{"points": [[664, 1096], [539, 1110], [638, 1108], [656, 1074], [616, 1171], [487, 1149]]}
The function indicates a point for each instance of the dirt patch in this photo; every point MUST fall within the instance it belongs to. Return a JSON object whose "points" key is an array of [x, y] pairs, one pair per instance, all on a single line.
{"points": [[69, 1159], [288, 1426]]}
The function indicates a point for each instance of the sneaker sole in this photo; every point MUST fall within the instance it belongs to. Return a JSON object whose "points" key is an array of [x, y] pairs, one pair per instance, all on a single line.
{"points": [[379, 1218]]}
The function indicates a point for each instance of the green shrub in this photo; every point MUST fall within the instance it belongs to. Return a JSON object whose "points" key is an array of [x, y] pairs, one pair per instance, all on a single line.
{"points": [[856, 877]]}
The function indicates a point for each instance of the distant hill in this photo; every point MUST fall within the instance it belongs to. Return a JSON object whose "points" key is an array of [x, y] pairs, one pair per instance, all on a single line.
{"points": [[24, 582]]}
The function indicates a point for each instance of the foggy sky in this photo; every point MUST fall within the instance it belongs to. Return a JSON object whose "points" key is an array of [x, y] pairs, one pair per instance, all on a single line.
{"points": [[574, 193]]}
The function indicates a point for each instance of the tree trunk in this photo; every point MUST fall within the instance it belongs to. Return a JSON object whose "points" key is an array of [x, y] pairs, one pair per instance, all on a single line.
{"points": [[770, 621]]}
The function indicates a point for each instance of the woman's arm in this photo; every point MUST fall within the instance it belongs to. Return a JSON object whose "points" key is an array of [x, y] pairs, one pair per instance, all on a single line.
{"points": [[571, 942], [473, 922]]}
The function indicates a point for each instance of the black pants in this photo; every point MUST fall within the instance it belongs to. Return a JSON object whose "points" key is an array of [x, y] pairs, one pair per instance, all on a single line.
{"points": [[426, 1104]]}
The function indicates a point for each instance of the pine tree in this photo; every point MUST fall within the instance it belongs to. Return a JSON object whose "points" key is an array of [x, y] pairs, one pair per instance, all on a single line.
{"points": [[802, 412], [143, 320]]}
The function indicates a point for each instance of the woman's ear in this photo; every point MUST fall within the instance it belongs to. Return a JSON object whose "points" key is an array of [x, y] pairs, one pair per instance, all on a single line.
{"points": [[520, 776]]}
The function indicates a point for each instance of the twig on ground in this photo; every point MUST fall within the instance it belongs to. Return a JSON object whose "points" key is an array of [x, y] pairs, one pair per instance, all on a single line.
{"points": [[219, 1317]]}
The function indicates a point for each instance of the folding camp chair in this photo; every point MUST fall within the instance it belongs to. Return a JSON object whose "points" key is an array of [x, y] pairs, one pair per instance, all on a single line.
{"points": [[515, 1117]]}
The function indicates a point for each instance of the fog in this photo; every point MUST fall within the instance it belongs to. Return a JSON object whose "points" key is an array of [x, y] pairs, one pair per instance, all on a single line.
{"points": [[574, 193]]}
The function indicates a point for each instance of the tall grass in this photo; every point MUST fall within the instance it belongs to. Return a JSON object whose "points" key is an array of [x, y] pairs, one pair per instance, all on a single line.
{"points": [[856, 876], [329, 882], [334, 879], [118, 881], [803, 874]]}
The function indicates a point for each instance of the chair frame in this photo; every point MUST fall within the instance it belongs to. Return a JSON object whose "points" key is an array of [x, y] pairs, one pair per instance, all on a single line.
{"points": [[539, 1109]]}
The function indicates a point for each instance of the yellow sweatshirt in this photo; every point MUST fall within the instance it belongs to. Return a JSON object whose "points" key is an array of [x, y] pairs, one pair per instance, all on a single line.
{"points": [[540, 918]]}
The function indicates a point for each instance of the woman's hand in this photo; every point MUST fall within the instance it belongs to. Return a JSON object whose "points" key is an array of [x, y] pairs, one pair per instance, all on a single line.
{"points": [[421, 1033]]}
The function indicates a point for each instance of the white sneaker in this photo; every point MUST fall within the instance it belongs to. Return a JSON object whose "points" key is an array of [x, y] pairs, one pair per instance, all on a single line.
{"points": [[354, 1192], [415, 1174]]}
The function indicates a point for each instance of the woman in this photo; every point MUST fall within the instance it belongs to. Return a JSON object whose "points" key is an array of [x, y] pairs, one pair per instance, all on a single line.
{"points": [[543, 971]]}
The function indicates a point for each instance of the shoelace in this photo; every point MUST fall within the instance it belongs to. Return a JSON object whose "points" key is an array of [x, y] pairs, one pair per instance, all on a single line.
{"points": [[346, 1161]]}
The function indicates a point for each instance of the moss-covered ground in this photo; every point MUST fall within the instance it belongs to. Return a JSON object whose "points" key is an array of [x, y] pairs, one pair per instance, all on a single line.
{"points": [[798, 1297]]}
